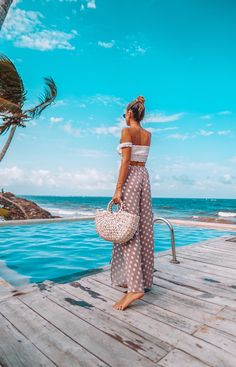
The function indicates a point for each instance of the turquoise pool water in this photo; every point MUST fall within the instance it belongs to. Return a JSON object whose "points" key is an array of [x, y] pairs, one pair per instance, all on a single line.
{"points": [[63, 251]]}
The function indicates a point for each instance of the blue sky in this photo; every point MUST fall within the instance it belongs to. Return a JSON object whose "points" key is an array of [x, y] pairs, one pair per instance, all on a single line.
{"points": [[180, 55]]}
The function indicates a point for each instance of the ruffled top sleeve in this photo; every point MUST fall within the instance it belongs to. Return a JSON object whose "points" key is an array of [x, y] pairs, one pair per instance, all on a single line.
{"points": [[123, 145]]}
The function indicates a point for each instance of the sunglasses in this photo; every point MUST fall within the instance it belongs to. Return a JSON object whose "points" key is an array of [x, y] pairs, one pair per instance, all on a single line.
{"points": [[124, 115]]}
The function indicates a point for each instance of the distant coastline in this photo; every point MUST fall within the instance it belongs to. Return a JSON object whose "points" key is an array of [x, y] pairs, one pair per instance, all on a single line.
{"points": [[195, 210]]}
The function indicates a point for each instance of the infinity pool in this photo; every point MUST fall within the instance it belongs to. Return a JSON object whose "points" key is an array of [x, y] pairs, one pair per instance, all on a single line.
{"points": [[62, 251]]}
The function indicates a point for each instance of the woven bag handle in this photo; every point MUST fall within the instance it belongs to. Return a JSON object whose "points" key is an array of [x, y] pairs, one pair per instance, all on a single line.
{"points": [[111, 203]]}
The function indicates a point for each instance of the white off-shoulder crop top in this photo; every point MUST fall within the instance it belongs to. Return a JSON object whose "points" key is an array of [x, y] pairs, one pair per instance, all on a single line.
{"points": [[139, 153]]}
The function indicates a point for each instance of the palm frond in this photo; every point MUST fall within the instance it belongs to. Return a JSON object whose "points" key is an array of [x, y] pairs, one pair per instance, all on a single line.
{"points": [[7, 106], [11, 84], [9, 121], [46, 99]]}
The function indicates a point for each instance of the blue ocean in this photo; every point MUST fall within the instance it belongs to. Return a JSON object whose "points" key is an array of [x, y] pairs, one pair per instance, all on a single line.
{"points": [[189, 209]]}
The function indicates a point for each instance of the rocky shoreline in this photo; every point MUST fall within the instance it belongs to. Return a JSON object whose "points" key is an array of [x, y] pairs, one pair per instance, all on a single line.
{"points": [[16, 208]]}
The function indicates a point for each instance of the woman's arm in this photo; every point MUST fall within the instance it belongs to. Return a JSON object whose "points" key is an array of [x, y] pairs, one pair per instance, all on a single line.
{"points": [[123, 171]]}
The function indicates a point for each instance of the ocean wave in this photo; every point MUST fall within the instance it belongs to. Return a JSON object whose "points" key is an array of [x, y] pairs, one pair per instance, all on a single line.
{"points": [[69, 212], [226, 214]]}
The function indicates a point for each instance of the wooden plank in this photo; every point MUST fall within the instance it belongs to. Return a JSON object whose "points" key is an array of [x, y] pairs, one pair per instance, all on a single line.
{"points": [[225, 247], [5, 284], [194, 273], [170, 318], [213, 248], [142, 343], [85, 334], [223, 324], [194, 289], [179, 303], [191, 285], [222, 286], [207, 259], [201, 267], [228, 313], [215, 321], [17, 351], [207, 353], [177, 358], [219, 338], [59, 348], [211, 254], [196, 282]]}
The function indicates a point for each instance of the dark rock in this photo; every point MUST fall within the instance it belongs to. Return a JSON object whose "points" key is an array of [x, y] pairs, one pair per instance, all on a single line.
{"points": [[19, 208]]}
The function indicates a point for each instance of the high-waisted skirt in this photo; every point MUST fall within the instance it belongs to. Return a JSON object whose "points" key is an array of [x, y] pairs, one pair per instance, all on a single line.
{"points": [[132, 262]]}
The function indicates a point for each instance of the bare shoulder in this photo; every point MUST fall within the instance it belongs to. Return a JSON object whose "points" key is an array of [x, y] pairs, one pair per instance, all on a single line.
{"points": [[147, 132], [125, 134], [148, 135]]}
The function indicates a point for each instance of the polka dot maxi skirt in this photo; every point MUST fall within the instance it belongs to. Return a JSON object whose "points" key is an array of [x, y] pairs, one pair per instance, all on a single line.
{"points": [[132, 262]]}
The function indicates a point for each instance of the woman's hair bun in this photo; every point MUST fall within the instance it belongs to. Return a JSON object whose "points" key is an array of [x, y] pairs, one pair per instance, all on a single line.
{"points": [[140, 99]]}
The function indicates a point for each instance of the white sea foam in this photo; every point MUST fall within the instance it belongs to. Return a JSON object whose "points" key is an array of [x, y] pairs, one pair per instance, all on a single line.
{"points": [[68, 212], [226, 214]]}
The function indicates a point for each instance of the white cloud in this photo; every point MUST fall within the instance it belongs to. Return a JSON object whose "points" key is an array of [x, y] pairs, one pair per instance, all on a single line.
{"points": [[11, 175], [156, 180], [59, 103], [106, 130], [161, 129], [56, 119], [178, 136], [227, 179], [224, 132], [206, 117], [161, 117], [25, 29], [88, 153], [134, 49], [68, 128], [183, 179], [106, 100], [106, 44], [83, 179], [209, 116], [46, 40], [225, 113], [205, 132]]}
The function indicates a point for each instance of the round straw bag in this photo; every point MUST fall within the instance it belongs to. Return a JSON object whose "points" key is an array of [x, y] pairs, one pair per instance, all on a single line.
{"points": [[119, 226]]}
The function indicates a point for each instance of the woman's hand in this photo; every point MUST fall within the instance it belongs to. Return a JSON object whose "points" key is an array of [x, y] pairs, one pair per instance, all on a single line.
{"points": [[117, 196]]}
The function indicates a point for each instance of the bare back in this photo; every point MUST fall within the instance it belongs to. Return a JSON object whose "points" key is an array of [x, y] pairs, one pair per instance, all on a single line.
{"points": [[140, 136]]}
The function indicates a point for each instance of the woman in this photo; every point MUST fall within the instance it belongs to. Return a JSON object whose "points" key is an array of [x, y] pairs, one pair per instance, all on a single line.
{"points": [[132, 263]]}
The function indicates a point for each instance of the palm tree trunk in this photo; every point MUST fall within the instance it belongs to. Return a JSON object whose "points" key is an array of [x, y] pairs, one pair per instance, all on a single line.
{"points": [[8, 142], [4, 7]]}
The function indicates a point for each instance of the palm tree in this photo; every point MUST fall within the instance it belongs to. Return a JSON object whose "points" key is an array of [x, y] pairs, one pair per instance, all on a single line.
{"points": [[13, 97], [4, 7]]}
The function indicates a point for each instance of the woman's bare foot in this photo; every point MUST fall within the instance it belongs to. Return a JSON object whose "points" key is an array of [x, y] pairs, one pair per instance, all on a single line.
{"points": [[117, 304], [128, 299]]}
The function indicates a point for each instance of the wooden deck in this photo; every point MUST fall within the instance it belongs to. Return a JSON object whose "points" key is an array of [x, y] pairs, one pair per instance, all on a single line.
{"points": [[187, 320]]}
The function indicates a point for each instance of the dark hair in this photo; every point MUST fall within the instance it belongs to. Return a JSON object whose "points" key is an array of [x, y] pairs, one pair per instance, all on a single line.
{"points": [[138, 108]]}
